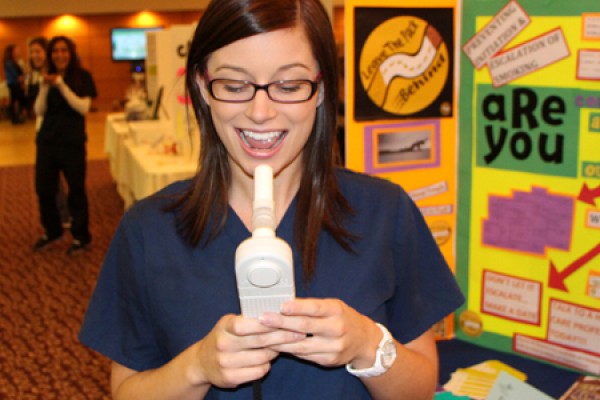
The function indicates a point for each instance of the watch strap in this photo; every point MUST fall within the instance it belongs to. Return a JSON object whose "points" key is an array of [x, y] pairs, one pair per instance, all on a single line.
{"points": [[378, 368]]}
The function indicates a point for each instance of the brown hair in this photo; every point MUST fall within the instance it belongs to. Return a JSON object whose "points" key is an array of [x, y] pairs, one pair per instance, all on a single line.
{"points": [[43, 43], [203, 208], [74, 74], [9, 52], [74, 64]]}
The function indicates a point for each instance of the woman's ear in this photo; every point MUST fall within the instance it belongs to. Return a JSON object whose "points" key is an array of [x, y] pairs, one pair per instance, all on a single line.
{"points": [[320, 94], [201, 82]]}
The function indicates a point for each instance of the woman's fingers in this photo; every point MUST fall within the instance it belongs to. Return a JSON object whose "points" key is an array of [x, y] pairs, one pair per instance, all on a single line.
{"points": [[333, 332], [248, 333], [324, 317]]}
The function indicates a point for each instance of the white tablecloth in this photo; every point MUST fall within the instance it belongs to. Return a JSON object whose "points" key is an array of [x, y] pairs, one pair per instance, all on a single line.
{"points": [[4, 92], [137, 169]]}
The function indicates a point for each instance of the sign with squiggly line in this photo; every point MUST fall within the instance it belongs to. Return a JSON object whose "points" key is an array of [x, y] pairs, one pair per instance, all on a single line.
{"points": [[404, 63]]}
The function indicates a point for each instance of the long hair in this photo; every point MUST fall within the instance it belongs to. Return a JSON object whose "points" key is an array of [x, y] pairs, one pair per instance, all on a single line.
{"points": [[73, 73], [43, 43], [9, 53], [202, 210], [74, 64]]}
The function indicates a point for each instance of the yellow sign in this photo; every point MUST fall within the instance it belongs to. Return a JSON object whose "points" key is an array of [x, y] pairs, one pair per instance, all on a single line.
{"points": [[404, 65], [401, 106]]}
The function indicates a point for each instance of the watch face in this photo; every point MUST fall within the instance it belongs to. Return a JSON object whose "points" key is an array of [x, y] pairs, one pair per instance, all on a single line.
{"points": [[388, 354]]}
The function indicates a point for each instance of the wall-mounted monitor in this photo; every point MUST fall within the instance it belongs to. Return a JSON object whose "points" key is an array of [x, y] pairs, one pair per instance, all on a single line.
{"points": [[129, 44]]}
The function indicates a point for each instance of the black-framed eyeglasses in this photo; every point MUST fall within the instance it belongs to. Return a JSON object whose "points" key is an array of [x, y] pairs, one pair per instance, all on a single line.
{"points": [[284, 91]]}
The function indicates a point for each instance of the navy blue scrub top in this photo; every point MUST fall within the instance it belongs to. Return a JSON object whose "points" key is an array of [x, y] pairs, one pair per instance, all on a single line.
{"points": [[157, 295]]}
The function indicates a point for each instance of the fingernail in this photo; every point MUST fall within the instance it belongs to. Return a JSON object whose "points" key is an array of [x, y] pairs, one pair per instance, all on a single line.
{"points": [[265, 319]]}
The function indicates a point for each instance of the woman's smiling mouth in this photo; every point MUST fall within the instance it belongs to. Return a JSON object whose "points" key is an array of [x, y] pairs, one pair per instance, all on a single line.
{"points": [[261, 140]]}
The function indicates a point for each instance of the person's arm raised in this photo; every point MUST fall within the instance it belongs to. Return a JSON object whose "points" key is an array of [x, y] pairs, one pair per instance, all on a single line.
{"points": [[41, 100], [80, 104]]}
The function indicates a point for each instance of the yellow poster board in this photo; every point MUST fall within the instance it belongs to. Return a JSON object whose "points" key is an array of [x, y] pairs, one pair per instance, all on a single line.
{"points": [[401, 105], [528, 244]]}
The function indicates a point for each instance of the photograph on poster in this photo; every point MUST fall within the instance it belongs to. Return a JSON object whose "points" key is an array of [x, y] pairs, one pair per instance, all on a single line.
{"points": [[404, 146], [398, 147]]}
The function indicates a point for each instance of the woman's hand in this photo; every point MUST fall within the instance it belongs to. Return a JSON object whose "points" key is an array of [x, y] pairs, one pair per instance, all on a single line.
{"points": [[50, 79], [335, 333], [238, 350]]}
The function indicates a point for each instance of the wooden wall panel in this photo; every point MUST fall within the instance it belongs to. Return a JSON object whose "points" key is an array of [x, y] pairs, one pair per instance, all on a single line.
{"points": [[91, 34]]}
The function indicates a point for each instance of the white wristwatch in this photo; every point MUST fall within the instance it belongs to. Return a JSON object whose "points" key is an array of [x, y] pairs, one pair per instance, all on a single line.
{"points": [[384, 357]]}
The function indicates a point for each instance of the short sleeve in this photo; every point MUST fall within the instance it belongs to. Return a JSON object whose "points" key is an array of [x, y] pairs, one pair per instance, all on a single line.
{"points": [[426, 287], [117, 323], [89, 86]]}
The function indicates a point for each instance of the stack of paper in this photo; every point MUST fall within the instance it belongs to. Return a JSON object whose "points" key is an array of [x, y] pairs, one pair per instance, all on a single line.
{"points": [[477, 381], [507, 387]]}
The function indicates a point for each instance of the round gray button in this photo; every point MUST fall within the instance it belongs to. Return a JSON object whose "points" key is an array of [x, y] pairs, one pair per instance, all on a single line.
{"points": [[264, 275]]}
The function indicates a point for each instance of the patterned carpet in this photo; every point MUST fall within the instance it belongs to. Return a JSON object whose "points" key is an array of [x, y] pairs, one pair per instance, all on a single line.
{"points": [[43, 296]]}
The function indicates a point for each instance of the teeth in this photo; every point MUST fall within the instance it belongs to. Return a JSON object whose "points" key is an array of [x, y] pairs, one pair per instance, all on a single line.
{"points": [[266, 137]]}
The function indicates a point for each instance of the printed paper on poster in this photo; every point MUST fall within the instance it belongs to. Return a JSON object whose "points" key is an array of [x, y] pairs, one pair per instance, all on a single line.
{"points": [[528, 57]]}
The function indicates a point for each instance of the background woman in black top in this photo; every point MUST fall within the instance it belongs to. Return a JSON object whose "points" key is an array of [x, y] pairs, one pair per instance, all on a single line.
{"points": [[65, 97]]}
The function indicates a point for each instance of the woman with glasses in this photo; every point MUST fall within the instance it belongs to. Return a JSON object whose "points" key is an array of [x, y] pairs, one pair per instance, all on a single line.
{"points": [[370, 281]]}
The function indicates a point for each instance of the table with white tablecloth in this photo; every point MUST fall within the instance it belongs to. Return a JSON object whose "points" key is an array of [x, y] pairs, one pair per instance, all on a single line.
{"points": [[4, 99], [140, 169]]}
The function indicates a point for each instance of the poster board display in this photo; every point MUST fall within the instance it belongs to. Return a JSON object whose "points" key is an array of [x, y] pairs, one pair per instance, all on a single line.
{"points": [[528, 241], [166, 59], [401, 111]]}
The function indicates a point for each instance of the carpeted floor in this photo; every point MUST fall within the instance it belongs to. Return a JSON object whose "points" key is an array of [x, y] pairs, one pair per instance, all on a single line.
{"points": [[43, 295]]}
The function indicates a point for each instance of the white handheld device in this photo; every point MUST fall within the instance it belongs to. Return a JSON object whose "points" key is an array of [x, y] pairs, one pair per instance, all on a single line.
{"points": [[263, 263]]}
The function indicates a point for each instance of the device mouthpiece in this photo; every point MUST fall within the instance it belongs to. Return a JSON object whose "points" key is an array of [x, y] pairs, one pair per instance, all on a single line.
{"points": [[263, 213]]}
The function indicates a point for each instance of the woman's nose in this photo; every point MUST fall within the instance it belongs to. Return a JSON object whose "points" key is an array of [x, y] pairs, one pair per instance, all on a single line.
{"points": [[261, 108]]}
